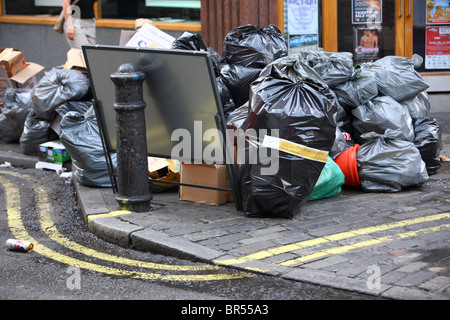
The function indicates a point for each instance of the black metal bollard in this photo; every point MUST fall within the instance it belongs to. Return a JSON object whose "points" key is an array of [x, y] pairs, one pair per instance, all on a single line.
{"points": [[132, 164]]}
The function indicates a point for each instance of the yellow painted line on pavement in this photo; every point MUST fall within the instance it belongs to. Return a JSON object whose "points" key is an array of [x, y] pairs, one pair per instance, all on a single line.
{"points": [[334, 237], [105, 215], [50, 229], [17, 228], [362, 244]]}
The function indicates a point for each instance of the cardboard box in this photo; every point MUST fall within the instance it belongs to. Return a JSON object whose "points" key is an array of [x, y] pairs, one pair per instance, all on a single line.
{"points": [[205, 175], [13, 61], [149, 36], [53, 152], [25, 79], [75, 61]]}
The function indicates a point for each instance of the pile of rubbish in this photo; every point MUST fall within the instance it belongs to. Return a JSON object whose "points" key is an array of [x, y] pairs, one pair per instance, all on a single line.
{"points": [[371, 119], [58, 108], [332, 123]]}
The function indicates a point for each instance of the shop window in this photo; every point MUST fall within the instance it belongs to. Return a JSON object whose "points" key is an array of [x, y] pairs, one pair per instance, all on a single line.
{"points": [[162, 10], [33, 7], [359, 21], [432, 34]]}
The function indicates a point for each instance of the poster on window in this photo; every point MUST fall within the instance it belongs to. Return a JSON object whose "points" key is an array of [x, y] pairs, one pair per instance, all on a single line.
{"points": [[299, 43], [438, 11], [437, 48], [367, 12], [367, 44], [303, 25]]}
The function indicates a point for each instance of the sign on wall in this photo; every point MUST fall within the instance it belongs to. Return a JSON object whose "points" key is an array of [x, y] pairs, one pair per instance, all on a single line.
{"points": [[367, 12], [303, 25], [437, 34], [437, 47]]}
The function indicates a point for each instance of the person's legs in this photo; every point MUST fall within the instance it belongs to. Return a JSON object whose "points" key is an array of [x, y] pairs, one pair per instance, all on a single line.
{"points": [[85, 33], [88, 26]]}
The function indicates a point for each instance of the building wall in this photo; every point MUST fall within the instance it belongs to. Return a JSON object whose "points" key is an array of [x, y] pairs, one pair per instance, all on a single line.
{"points": [[42, 45], [220, 17]]}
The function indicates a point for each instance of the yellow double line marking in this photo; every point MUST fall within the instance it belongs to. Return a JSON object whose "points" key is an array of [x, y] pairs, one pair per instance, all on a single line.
{"points": [[17, 228], [341, 236]]}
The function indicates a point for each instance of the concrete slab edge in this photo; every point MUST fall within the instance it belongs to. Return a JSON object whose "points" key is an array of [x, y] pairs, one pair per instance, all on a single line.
{"points": [[18, 160]]}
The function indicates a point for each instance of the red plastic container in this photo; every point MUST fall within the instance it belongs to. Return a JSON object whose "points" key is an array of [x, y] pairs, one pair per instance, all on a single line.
{"points": [[347, 162]]}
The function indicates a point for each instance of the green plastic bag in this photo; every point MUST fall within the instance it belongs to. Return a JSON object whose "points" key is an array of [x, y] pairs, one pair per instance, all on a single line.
{"points": [[329, 183]]}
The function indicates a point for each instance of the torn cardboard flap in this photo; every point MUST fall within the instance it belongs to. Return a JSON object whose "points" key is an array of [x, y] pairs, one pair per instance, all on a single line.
{"points": [[75, 60], [25, 79], [26, 74]]}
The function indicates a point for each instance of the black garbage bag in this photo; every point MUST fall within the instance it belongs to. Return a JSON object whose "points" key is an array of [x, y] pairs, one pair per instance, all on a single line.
{"points": [[380, 114], [226, 98], [81, 137], [428, 140], [419, 106], [344, 118], [342, 142], [360, 89], [238, 80], [237, 118], [195, 42], [57, 87], [78, 106], [333, 67], [388, 163], [396, 77], [15, 110], [190, 41], [35, 132], [286, 100], [254, 47]]}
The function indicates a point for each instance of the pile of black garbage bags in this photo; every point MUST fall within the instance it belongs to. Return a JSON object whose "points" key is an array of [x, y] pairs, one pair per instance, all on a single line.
{"points": [[320, 101], [300, 111], [59, 107]]}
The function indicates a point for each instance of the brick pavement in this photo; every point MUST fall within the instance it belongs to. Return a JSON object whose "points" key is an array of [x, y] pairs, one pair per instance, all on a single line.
{"points": [[348, 241]]}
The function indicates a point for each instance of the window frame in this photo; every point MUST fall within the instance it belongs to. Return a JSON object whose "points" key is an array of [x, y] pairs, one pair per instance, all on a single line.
{"points": [[100, 22]]}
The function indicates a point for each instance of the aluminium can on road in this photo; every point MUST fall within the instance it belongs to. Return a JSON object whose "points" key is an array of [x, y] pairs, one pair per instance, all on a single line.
{"points": [[19, 245]]}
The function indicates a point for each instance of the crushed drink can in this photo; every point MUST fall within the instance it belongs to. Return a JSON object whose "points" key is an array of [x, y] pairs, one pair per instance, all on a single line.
{"points": [[19, 245]]}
